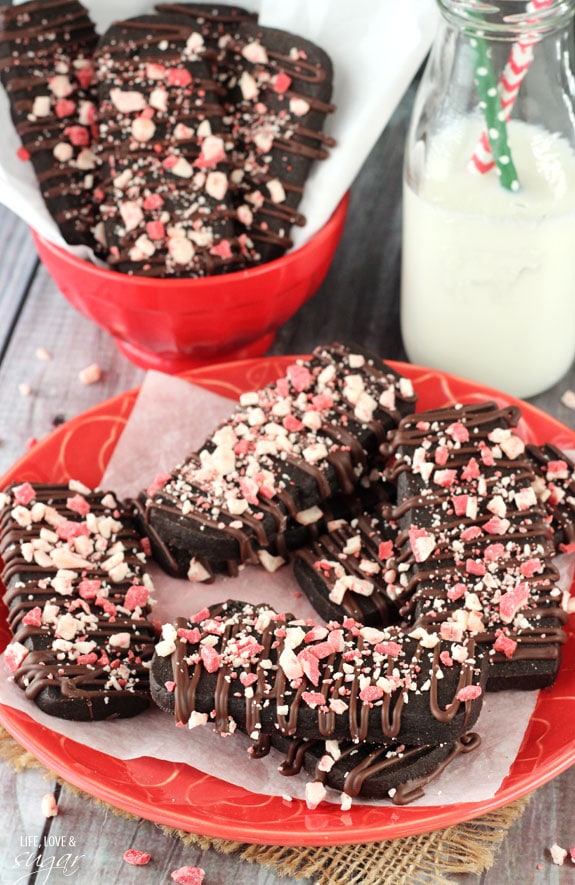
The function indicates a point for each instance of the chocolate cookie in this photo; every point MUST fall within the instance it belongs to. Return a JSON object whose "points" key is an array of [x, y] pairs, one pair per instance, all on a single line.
{"points": [[246, 666], [301, 530], [78, 597], [279, 95], [370, 771], [354, 570], [211, 20], [555, 489], [285, 450], [165, 199], [46, 68], [478, 543], [278, 89]]}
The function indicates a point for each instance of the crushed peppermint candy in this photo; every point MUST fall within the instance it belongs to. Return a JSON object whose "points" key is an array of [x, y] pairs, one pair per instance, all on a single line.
{"points": [[137, 858], [90, 374], [188, 875], [85, 605], [49, 805], [558, 854], [568, 399]]}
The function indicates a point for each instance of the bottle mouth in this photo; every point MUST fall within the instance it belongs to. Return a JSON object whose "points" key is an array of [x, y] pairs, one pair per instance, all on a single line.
{"points": [[507, 19]]}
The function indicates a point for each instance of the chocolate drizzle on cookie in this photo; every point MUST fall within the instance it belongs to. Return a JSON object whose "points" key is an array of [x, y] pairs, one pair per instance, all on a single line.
{"points": [[78, 597], [479, 545], [352, 569], [46, 68], [287, 448], [372, 771], [247, 667], [554, 486]]}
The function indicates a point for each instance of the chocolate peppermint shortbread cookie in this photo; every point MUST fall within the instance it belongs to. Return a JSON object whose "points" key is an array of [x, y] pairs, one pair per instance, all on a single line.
{"points": [[477, 541], [371, 771], [285, 450], [298, 531], [237, 665], [165, 198], [278, 89], [46, 68], [78, 597], [279, 94]]}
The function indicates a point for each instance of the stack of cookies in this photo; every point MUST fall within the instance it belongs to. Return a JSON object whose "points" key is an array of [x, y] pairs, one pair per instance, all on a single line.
{"points": [[466, 547], [366, 710], [443, 582]]}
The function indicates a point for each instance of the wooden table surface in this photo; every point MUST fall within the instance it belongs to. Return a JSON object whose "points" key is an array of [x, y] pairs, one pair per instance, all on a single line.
{"points": [[358, 301]]}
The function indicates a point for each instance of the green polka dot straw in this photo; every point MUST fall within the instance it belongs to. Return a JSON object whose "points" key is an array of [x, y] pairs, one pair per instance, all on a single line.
{"points": [[495, 123]]}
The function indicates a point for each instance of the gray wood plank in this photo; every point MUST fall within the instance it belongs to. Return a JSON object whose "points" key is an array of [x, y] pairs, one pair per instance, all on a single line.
{"points": [[18, 263], [48, 322], [86, 842], [23, 829], [100, 838]]}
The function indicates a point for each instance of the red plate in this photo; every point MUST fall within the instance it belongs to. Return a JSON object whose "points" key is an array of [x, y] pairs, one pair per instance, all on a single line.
{"points": [[179, 796]]}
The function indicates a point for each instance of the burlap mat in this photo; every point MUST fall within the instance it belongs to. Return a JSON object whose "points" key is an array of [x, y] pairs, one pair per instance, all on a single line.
{"points": [[415, 860]]}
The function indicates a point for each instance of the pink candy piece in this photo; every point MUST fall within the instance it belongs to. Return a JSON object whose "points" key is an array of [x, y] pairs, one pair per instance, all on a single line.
{"points": [[155, 230], [33, 618], [136, 597], [313, 698], [299, 377], [179, 77], [458, 432], [210, 658], [65, 107], [23, 494], [370, 694], [505, 644], [512, 601], [422, 543], [310, 665], [188, 876], [14, 655], [137, 858], [222, 249], [281, 82], [469, 693], [158, 483], [389, 648], [85, 76], [78, 504]]}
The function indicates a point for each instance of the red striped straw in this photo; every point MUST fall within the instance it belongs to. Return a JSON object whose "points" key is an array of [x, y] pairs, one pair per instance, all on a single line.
{"points": [[518, 64]]}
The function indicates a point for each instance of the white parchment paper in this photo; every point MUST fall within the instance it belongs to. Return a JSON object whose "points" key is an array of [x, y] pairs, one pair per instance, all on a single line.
{"points": [[152, 441], [376, 48]]}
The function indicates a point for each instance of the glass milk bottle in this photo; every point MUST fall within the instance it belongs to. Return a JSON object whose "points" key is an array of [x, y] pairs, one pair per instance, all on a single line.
{"points": [[488, 271]]}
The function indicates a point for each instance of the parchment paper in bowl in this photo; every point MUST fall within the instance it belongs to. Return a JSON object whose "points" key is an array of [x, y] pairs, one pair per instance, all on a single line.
{"points": [[376, 48]]}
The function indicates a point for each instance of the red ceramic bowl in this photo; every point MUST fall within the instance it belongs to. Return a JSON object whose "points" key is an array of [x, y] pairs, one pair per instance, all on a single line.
{"points": [[173, 325]]}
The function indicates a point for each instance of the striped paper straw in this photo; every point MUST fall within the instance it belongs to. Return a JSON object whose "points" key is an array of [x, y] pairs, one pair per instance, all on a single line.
{"points": [[495, 123], [519, 62]]}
